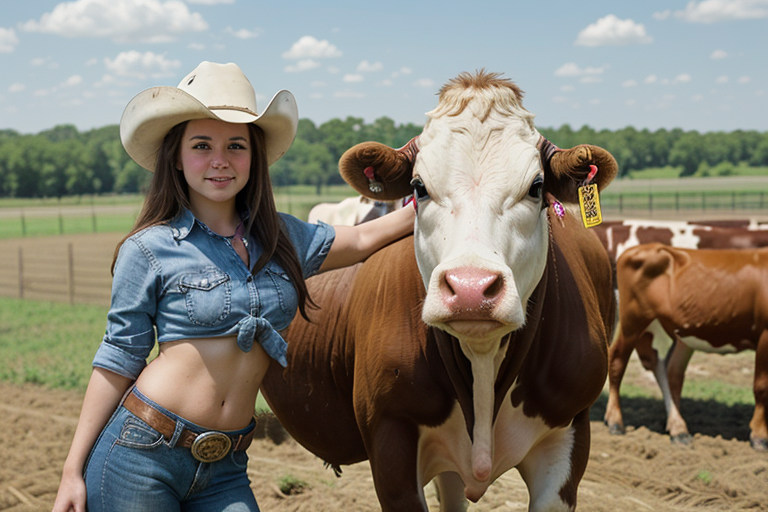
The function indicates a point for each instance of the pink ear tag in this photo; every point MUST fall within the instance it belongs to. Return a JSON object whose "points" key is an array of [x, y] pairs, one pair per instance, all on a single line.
{"points": [[374, 186]]}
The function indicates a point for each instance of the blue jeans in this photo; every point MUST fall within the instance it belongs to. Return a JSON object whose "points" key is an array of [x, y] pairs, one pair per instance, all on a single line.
{"points": [[133, 468]]}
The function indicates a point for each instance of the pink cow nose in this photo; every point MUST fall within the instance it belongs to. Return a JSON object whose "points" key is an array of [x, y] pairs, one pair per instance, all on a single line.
{"points": [[471, 293]]}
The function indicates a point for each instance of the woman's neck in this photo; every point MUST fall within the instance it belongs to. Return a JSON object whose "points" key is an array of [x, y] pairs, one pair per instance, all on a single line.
{"points": [[221, 218]]}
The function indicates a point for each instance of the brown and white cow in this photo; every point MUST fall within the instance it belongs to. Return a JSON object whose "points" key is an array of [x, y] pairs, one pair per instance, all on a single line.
{"points": [[659, 352], [477, 345], [710, 300]]}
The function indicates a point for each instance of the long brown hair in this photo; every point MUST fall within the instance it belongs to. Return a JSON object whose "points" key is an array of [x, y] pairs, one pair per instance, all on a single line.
{"points": [[168, 195]]}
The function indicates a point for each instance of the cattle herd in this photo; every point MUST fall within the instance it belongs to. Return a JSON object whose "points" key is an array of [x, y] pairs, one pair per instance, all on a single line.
{"points": [[480, 343]]}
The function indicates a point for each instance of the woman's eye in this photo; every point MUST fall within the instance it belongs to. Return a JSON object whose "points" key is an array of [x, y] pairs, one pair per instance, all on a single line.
{"points": [[537, 188], [419, 190]]}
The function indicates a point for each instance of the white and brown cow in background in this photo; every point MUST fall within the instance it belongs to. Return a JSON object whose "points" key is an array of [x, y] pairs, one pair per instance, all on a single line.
{"points": [[659, 352], [477, 345], [715, 300], [351, 211]]}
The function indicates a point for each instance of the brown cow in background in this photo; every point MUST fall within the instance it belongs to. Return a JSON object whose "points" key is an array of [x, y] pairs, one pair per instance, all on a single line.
{"points": [[710, 300]]}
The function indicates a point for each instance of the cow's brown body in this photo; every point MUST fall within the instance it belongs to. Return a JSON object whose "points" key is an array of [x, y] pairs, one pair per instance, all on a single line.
{"points": [[369, 380], [714, 300]]}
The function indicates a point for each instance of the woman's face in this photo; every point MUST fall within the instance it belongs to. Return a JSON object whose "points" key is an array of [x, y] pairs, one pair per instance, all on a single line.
{"points": [[215, 157]]}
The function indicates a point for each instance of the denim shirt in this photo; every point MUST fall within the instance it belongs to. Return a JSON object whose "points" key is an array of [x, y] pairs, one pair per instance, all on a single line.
{"points": [[181, 280]]}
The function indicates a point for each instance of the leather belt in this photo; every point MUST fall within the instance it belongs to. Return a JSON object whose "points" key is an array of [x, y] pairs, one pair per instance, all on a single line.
{"points": [[207, 446]]}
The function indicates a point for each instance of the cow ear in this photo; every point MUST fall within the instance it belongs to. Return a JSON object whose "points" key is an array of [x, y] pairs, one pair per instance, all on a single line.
{"points": [[378, 171], [565, 170]]}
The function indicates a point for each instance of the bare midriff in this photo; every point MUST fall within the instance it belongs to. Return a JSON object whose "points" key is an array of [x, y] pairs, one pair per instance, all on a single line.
{"points": [[208, 381]]}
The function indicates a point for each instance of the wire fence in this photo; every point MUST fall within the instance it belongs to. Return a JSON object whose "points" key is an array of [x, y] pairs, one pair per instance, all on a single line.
{"points": [[62, 269]]}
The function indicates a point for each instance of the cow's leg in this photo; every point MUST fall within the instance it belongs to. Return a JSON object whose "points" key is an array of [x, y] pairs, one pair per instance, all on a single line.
{"points": [[674, 375], [618, 357], [554, 467], [758, 436], [393, 450], [450, 492]]}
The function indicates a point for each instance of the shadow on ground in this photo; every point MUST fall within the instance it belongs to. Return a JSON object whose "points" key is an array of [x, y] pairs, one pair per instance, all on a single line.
{"points": [[706, 417]]}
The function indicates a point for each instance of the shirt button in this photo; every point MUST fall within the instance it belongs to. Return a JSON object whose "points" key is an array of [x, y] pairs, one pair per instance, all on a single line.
{"points": [[204, 282], [249, 279]]}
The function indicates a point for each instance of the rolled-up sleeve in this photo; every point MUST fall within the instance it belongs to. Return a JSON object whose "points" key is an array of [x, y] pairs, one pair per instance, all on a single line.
{"points": [[130, 333], [312, 242]]}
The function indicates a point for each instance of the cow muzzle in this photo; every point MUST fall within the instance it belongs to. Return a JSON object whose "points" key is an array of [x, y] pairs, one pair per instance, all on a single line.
{"points": [[471, 301]]}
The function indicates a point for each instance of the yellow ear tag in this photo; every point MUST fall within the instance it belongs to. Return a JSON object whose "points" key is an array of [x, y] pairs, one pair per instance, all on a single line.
{"points": [[589, 204]]}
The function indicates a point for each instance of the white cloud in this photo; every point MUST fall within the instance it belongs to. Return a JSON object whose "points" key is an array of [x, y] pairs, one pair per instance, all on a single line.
{"points": [[424, 82], [244, 33], [348, 94], [368, 67], [682, 78], [8, 40], [302, 65], [662, 15], [17, 87], [72, 81], [651, 79], [210, 2], [387, 82], [744, 79], [629, 83], [353, 78], [141, 65], [719, 54], [123, 21], [612, 31], [308, 46], [572, 69], [712, 11], [721, 79]]}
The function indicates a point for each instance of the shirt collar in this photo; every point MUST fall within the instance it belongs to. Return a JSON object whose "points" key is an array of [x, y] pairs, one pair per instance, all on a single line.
{"points": [[183, 223]]}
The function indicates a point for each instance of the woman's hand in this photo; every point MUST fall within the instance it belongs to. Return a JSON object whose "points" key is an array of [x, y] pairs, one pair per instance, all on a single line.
{"points": [[71, 495]]}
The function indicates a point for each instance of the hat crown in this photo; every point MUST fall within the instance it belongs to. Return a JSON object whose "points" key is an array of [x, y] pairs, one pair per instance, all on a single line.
{"points": [[221, 87]]}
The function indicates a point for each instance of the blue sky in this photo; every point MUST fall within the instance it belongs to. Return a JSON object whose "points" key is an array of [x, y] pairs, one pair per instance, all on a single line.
{"points": [[696, 65]]}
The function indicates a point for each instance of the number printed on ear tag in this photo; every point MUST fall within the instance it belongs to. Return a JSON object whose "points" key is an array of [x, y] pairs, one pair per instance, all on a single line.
{"points": [[589, 203]]}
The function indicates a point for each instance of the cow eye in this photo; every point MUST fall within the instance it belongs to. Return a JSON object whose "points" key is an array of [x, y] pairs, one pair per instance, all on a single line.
{"points": [[419, 190], [536, 188]]}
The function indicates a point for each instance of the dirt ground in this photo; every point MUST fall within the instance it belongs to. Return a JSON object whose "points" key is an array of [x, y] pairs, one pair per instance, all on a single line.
{"points": [[640, 471]]}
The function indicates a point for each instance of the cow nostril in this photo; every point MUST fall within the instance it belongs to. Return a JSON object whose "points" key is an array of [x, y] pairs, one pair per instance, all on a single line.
{"points": [[495, 287]]}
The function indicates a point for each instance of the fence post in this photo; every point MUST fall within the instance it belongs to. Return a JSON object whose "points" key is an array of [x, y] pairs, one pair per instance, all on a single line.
{"points": [[677, 201], [61, 223], [23, 224], [70, 274], [704, 201], [621, 203], [21, 273], [733, 200]]}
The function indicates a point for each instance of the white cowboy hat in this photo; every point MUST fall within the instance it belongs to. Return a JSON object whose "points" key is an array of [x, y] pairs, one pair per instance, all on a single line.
{"points": [[211, 91]]}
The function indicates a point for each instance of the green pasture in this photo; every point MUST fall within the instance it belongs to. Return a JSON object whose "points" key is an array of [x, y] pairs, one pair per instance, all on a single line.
{"points": [[74, 215], [52, 344]]}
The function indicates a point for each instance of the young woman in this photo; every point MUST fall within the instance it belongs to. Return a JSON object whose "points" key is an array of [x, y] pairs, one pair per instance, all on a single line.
{"points": [[211, 271]]}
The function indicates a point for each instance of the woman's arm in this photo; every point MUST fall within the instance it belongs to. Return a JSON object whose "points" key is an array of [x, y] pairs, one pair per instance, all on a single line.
{"points": [[105, 389], [355, 243]]}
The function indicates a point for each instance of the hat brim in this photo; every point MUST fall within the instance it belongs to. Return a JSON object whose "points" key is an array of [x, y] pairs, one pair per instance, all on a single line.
{"points": [[151, 114]]}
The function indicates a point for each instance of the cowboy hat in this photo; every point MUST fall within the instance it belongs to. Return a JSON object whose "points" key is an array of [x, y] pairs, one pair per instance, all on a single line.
{"points": [[210, 91]]}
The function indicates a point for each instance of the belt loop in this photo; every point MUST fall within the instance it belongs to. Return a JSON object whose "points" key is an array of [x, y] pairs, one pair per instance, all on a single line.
{"points": [[237, 443], [176, 434]]}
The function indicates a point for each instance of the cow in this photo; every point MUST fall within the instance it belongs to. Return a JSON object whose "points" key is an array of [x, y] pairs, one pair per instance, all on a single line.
{"points": [[715, 300], [351, 211], [479, 343], [658, 352]]}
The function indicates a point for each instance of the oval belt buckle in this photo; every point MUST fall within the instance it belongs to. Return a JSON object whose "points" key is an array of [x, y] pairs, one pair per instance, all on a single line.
{"points": [[211, 446]]}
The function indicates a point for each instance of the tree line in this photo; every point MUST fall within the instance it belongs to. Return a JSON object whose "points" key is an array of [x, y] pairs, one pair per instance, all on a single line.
{"points": [[62, 161]]}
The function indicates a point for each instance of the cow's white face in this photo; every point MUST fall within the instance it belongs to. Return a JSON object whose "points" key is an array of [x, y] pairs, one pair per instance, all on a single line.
{"points": [[481, 232]]}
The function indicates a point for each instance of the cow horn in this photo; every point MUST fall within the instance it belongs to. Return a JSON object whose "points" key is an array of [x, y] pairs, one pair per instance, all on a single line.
{"points": [[566, 169], [378, 171]]}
